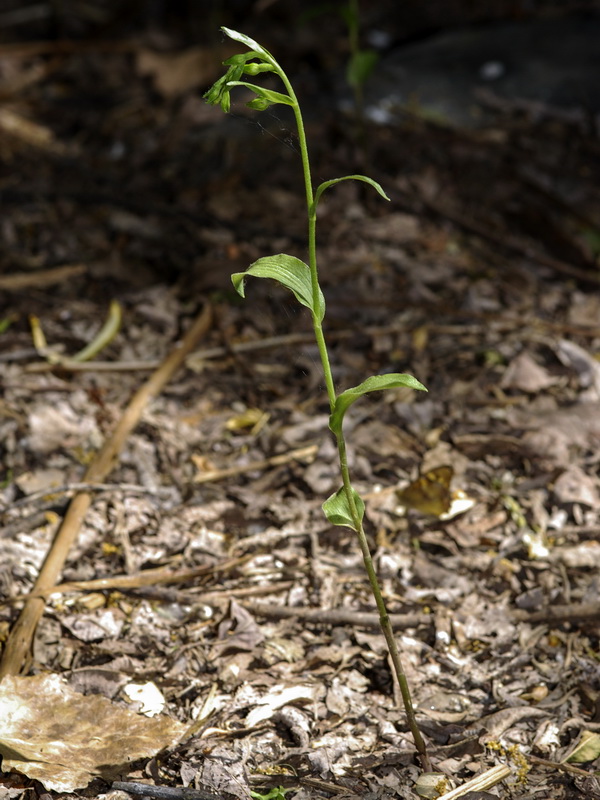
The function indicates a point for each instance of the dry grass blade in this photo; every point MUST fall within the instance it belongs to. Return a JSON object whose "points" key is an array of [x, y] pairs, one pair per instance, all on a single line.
{"points": [[479, 783], [43, 277], [299, 454]]}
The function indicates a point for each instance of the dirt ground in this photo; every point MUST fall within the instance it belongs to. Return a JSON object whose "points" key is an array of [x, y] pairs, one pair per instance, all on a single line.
{"points": [[204, 565]]}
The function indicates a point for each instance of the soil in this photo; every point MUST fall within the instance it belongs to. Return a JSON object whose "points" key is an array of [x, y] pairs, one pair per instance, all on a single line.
{"points": [[256, 623]]}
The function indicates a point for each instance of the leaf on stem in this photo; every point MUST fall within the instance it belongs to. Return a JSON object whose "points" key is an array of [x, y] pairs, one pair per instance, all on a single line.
{"points": [[337, 509], [243, 64], [264, 97], [289, 272], [364, 178], [250, 43], [376, 383]]}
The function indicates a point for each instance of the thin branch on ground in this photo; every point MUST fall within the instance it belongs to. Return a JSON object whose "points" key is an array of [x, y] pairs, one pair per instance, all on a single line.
{"points": [[20, 638]]}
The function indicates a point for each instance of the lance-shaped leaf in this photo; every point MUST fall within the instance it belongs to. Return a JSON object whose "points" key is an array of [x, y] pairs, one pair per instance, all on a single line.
{"points": [[264, 97], [289, 272], [337, 508], [326, 184], [376, 383], [250, 43]]}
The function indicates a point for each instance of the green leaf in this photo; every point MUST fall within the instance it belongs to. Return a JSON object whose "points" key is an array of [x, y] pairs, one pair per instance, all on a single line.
{"points": [[289, 272], [267, 96], [337, 509], [333, 181], [276, 793], [360, 66], [250, 43], [376, 383]]}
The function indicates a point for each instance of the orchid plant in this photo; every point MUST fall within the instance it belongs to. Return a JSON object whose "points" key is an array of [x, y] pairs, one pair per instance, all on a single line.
{"points": [[344, 507]]}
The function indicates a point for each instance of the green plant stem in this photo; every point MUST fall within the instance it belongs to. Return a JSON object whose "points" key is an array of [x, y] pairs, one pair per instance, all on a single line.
{"points": [[312, 237], [353, 21], [384, 620]]}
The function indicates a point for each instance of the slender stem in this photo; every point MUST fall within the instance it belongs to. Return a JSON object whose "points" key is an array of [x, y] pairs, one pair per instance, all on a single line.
{"points": [[384, 619], [386, 627], [312, 238]]}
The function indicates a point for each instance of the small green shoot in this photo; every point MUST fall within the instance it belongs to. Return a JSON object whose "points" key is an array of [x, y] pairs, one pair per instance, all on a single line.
{"points": [[6, 481], [105, 335], [6, 322], [361, 64], [345, 507], [362, 60], [277, 793]]}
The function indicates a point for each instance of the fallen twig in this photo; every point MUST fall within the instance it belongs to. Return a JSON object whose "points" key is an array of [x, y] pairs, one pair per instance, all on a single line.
{"points": [[152, 586], [163, 792], [511, 243], [563, 766], [566, 613], [197, 359], [148, 577], [52, 492], [336, 616], [366, 619], [19, 640], [41, 277], [299, 454]]}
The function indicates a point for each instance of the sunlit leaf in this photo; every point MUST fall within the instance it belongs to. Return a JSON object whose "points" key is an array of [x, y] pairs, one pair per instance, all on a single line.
{"points": [[376, 383], [289, 272], [327, 184], [64, 739], [337, 509], [587, 748], [250, 43]]}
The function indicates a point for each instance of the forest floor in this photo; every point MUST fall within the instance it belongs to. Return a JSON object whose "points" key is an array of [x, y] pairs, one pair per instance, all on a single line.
{"points": [[256, 623]]}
